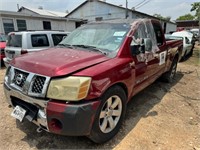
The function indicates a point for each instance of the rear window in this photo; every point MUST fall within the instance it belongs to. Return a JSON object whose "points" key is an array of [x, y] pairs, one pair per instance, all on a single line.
{"points": [[57, 38], [39, 40], [2, 38], [14, 40]]}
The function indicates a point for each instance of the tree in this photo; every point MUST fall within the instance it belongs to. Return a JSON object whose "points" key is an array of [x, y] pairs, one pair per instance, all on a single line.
{"points": [[168, 18], [196, 7], [186, 17]]}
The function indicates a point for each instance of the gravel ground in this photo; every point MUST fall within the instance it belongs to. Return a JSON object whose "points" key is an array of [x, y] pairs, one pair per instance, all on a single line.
{"points": [[163, 116]]}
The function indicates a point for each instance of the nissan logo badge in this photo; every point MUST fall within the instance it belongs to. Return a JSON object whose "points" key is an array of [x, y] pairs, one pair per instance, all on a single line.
{"points": [[19, 79]]}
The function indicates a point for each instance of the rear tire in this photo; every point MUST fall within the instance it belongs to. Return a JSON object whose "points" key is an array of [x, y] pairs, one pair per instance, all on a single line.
{"points": [[170, 75], [109, 116], [184, 56], [191, 52]]}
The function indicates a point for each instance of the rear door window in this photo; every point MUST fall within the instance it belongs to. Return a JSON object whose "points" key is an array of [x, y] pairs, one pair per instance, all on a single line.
{"points": [[39, 40], [57, 38], [158, 33], [14, 40], [2, 38]]}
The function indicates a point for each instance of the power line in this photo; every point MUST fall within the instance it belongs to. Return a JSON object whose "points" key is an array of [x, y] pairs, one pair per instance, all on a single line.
{"points": [[143, 4], [139, 3]]}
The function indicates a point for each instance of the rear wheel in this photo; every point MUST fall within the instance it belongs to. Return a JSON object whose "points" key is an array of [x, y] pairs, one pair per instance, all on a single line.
{"points": [[191, 52], [184, 56], [109, 116], [170, 75]]}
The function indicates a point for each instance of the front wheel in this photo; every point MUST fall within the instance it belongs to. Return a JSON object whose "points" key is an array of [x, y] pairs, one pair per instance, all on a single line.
{"points": [[109, 116]]}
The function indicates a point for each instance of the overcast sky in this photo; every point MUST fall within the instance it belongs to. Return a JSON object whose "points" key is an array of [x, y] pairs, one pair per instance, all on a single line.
{"points": [[173, 8]]}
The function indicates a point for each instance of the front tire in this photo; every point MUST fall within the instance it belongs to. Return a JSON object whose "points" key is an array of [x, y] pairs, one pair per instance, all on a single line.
{"points": [[110, 115]]}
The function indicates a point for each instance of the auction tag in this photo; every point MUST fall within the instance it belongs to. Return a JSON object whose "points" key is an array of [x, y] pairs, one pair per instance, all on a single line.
{"points": [[18, 113], [162, 57]]}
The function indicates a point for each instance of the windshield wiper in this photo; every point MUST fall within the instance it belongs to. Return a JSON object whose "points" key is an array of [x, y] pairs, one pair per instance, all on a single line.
{"points": [[91, 48], [66, 45]]}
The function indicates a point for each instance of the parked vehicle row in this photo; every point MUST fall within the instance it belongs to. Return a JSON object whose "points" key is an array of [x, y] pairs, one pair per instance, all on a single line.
{"points": [[2, 46], [188, 41], [82, 86], [196, 33], [19, 43]]}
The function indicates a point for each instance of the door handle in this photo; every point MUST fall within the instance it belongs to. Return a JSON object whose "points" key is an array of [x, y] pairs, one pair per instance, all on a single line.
{"points": [[156, 55], [132, 64]]}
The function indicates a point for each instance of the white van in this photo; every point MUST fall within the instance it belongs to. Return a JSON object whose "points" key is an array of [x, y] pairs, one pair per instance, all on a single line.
{"points": [[19, 43]]}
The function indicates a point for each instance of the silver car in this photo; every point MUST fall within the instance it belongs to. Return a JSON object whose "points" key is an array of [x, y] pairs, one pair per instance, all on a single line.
{"points": [[19, 43]]}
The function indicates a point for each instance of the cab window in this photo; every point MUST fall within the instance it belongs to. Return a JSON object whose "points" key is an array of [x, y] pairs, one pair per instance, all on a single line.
{"points": [[139, 34], [158, 33]]}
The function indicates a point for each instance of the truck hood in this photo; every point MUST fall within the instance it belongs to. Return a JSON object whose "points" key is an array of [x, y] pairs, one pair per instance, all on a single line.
{"points": [[58, 61]]}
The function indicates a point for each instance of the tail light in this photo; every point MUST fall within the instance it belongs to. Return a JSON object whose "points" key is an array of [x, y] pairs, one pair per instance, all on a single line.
{"points": [[24, 51]]}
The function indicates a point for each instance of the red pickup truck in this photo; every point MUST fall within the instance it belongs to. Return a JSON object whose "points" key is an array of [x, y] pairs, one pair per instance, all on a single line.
{"points": [[82, 86]]}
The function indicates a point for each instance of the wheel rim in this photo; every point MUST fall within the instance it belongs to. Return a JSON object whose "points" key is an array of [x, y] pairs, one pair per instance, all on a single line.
{"points": [[173, 72], [110, 114]]}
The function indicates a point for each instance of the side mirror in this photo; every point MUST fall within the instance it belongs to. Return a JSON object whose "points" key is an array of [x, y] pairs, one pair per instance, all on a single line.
{"points": [[187, 41], [64, 37], [148, 44]]}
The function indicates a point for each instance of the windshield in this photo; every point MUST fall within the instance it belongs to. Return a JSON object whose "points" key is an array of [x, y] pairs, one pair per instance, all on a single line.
{"points": [[107, 37], [2, 38]]}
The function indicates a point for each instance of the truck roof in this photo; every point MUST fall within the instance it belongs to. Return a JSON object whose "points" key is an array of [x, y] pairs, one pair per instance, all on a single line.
{"points": [[41, 31], [127, 21]]}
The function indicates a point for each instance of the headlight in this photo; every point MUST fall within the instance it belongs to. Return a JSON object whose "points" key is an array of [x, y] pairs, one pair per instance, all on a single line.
{"points": [[8, 75], [70, 88]]}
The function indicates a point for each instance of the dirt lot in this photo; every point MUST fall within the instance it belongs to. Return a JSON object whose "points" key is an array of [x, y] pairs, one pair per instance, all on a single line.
{"points": [[163, 116]]}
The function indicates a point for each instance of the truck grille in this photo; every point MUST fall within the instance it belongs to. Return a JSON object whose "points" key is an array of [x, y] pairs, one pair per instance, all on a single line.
{"points": [[27, 82], [19, 78], [38, 84]]}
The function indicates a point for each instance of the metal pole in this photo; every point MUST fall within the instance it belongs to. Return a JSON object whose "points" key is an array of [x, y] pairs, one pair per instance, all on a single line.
{"points": [[199, 22], [17, 7], [126, 9]]}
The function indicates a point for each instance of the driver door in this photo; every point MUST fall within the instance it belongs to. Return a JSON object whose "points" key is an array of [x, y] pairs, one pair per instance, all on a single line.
{"points": [[145, 61]]}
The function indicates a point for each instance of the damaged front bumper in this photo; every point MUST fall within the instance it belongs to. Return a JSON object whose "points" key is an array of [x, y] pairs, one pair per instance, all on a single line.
{"points": [[55, 116]]}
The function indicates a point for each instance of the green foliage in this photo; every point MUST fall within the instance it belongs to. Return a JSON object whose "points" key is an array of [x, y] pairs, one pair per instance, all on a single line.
{"points": [[186, 17], [168, 18], [196, 8]]}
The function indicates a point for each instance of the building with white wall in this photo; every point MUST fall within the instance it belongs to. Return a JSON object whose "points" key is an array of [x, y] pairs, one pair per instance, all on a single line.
{"points": [[35, 19], [92, 10]]}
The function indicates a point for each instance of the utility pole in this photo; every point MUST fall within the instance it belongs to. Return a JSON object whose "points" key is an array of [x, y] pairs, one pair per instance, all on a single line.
{"points": [[199, 22], [17, 7], [126, 9]]}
